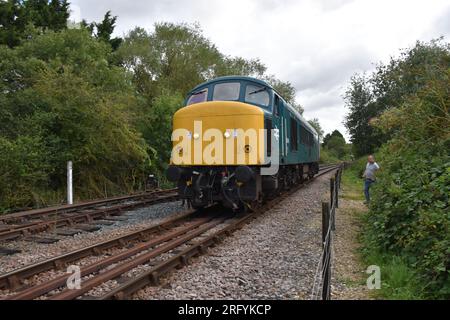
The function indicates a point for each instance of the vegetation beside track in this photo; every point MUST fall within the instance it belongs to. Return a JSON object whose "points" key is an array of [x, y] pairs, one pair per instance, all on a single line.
{"points": [[401, 112], [399, 281], [75, 93]]}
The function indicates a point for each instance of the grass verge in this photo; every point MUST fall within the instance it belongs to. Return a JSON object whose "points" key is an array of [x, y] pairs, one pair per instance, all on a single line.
{"points": [[398, 281]]}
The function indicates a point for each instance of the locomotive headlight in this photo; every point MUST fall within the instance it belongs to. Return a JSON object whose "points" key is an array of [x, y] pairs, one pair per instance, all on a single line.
{"points": [[227, 135], [196, 136]]}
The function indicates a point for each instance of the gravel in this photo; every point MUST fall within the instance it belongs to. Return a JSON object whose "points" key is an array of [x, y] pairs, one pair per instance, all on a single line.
{"points": [[275, 257], [33, 252]]}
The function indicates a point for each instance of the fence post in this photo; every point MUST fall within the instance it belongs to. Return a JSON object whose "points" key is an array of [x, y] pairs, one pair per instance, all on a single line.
{"points": [[326, 262], [332, 187], [69, 183], [325, 220], [338, 179]]}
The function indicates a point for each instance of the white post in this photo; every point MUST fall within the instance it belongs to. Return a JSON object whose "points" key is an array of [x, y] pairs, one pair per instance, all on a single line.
{"points": [[69, 183]]}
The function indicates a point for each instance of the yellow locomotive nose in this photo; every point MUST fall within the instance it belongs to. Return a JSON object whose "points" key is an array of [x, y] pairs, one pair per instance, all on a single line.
{"points": [[218, 133]]}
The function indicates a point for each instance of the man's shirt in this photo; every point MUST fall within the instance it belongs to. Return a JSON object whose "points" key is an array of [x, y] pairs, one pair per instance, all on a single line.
{"points": [[371, 169]]}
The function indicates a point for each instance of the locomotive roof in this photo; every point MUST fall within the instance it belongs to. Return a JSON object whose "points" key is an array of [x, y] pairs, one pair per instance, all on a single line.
{"points": [[261, 82]]}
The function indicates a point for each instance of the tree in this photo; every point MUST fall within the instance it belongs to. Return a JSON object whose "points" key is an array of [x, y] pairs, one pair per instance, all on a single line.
{"points": [[328, 137], [12, 22], [16, 15], [105, 30], [65, 102], [369, 97], [286, 90], [409, 214], [335, 143], [359, 99]]}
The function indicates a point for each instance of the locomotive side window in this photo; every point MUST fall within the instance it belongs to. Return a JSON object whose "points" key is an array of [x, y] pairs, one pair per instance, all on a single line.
{"points": [[257, 95], [198, 97], [302, 135], [294, 135], [227, 91], [276, 106]]}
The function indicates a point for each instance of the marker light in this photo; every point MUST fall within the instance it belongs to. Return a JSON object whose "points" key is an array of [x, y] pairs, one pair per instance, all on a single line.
{"points": [[227, 135], [196, 136]]}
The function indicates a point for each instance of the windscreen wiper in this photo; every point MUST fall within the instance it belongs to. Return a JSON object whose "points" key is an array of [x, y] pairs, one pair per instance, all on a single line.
{"points": [[257, 91], [197, 93]]}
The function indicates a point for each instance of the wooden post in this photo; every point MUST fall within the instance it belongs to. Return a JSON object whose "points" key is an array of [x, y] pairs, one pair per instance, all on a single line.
{"points": [[326, 262], [337, 190], [325, 221], [332, 185]]}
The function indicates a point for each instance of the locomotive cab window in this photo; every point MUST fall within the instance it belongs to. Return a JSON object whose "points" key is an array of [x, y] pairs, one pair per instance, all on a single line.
{"points": [[257, 95], [229, 91], [198, 97]]}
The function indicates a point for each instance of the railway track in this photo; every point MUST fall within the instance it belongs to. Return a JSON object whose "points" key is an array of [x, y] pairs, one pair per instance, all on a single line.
{"points": [[159, 249], [80, 217]]}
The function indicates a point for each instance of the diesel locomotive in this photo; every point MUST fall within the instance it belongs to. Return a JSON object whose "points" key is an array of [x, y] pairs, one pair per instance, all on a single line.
{"points": [[231, 131]]}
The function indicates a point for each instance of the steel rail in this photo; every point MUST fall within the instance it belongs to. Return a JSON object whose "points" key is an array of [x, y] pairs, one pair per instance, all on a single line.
{"points": [[69, 220], [140, 260], [58, 282], [12, 280], [45, 212], [152, 276]]}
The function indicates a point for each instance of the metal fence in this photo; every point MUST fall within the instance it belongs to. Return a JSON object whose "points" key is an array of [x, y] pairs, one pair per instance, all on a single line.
{"points": [[322, 279]]}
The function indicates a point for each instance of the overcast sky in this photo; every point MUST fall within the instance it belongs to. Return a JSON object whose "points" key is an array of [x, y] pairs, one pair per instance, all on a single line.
{"points": [[317, 45]]}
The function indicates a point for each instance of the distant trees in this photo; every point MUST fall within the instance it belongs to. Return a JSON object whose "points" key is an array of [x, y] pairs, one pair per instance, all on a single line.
{"points": [[335, 145]]}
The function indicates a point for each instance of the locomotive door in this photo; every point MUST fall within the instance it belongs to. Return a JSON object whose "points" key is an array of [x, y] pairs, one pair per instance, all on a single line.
{"points": [[278, 125]]}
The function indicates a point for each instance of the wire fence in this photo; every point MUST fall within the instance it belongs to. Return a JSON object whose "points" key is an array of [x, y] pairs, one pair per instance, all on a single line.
{"points": [[322, 279]]}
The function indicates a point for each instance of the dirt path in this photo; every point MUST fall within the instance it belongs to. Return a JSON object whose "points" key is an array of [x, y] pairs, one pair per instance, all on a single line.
{"points": [[349, 277]]}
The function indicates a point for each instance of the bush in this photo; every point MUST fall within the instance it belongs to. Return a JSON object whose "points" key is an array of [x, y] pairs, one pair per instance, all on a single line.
{"points": [[63, 101], [409, 214]]}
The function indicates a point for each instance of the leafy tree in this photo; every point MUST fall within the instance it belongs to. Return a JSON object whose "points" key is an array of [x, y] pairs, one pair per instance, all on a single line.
{"points": [[359, 99], [166, 64], [409, 215], [104, 30], [13, 22], [328, 137], [336, 145], [368, 97], [16, 15], [286, 90], [65, 102]]}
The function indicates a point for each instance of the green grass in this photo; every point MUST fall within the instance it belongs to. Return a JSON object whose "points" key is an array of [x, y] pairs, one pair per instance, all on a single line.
{"points": [[398, 281], [352, 186]]}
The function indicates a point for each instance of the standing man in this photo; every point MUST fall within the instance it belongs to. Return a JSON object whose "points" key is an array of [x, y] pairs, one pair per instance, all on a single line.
{"points": [[369, 176]]}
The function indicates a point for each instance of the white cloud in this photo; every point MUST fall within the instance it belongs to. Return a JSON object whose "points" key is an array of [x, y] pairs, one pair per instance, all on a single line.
{"points": [[315, 44]]}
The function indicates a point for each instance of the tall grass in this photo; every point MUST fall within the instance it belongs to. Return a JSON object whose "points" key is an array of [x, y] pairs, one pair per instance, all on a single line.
{"points": [[398, 280]]}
